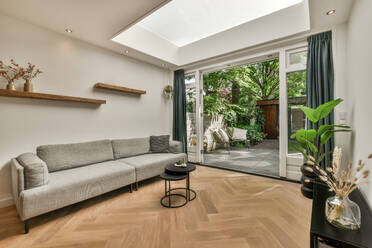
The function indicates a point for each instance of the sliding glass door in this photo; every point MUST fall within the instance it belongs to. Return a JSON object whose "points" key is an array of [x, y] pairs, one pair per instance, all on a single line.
{"points": [[241, 121], [241, 117]]}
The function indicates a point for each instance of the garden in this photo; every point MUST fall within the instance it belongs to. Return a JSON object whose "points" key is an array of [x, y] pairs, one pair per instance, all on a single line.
{"points": [[232, 102]]}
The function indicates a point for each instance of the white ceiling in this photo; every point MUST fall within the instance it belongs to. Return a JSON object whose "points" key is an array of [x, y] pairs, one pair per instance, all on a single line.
{"points": [[182, 22], [97, 21], [93, 21]]}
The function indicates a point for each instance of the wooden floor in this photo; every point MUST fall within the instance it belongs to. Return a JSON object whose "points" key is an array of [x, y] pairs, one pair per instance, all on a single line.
{"points": [[231, 210]]}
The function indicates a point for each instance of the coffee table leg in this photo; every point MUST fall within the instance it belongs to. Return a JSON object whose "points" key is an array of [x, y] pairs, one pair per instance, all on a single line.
{"points": [[169, 196], [165, 188], [188, 187]]}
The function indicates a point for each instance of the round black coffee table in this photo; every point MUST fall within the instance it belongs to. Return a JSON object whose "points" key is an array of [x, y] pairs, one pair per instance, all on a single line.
{"points": [[175, 170], [168, 178]]}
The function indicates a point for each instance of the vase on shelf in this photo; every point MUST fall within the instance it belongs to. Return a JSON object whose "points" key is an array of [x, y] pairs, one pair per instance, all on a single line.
{"points": [[28, 86], [10, 86], [342, 212]]}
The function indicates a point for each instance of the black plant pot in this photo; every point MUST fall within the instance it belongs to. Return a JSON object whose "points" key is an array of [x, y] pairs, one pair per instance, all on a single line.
{"points": [[307, 181]]}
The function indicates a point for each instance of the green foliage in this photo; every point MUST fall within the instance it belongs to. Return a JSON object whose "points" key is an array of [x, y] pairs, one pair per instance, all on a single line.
{"points": [[190, 100], [315, 115], [296, 84], [254, 133], [310, 142], [233, 93], [263, 79]]}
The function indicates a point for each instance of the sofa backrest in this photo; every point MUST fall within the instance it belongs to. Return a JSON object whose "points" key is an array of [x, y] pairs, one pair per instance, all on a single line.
{"points": [[130, 147], [67, 156]]}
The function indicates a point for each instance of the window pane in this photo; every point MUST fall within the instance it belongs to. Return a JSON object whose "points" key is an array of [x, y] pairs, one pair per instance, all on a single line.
{"points": [[191, 117], [296, 90], [296, 58]]}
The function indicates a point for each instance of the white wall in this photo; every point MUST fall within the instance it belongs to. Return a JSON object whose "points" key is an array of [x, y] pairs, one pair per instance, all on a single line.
{"points": [[340, 34], [71, 67], [359, 84]]}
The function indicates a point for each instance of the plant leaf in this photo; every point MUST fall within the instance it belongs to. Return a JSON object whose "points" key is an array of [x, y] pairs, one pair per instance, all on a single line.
{"points": [[325, 128], [299, 148], [308, 135], [325, 109], [310, 113], [321, 157], [325, 137]]}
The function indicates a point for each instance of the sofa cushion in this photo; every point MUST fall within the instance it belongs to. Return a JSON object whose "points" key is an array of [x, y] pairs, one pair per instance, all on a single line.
{"points": [[35, 170], [67, 187], [159, 144], [175, 146], [130, 147], [151, 165], [66, 156]]}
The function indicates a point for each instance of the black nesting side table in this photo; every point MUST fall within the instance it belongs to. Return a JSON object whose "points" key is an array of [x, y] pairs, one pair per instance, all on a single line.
{"points": [[175, 170], [167, 179]]}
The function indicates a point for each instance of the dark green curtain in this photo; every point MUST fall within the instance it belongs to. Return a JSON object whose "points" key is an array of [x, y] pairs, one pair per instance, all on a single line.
{"points": [[179, 108], [320, 80]]}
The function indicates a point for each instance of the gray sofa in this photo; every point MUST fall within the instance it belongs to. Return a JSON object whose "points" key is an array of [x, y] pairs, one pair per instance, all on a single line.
{"points": [[70, 173]]}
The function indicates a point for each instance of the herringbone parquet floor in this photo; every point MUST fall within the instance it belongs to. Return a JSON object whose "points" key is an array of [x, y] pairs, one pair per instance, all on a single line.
{"points": [[232, 210]]}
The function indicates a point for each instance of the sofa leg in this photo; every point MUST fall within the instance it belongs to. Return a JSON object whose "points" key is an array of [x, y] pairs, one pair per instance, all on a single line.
{"points": [[131, 188], [26, 226], [136, 186]]}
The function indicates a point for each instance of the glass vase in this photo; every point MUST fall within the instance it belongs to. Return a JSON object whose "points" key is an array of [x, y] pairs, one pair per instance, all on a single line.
{"points": [[342, 212]]}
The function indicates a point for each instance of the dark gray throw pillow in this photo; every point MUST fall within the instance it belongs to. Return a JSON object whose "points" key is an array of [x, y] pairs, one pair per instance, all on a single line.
{"points": [[159, 144]]}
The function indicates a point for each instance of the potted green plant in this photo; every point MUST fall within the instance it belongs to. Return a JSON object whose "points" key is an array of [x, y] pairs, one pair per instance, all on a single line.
{"points": [[168, 91], [310, 142]]}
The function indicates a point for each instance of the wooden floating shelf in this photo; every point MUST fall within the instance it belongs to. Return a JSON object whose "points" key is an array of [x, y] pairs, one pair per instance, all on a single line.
{"points": [[43, 96], [119, 88]]}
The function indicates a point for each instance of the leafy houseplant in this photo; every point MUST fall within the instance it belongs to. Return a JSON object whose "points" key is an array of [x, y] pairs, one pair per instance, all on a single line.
{"points": [[168, 91], [312, 141]]}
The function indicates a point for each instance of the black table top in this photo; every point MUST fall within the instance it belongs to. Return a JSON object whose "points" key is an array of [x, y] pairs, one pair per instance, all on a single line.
{"points": [[322, 228], [171, 177], [171, 169]]}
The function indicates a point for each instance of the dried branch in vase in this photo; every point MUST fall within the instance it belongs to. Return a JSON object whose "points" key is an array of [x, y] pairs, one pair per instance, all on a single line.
{"points": [[341, 182], [30, 72], [11, 72]]}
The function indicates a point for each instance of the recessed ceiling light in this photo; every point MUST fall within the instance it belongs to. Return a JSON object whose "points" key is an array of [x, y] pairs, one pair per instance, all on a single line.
{"points": [[331, 12], [68, 30], [126, 51]]}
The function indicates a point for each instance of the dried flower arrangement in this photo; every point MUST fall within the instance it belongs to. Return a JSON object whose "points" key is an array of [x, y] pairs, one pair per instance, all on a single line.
{"points": [[340, 211], [29, 73], [11, 73], [342, 182]]}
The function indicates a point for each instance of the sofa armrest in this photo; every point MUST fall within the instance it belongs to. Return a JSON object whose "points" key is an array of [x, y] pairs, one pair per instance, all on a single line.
{"points": [[175, 146], [18, 179]]}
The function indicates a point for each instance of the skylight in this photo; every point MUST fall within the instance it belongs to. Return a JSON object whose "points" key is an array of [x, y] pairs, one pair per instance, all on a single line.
{"points": [[182, 22]]}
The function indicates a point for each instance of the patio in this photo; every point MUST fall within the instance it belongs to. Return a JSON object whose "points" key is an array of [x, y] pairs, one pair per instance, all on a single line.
{"points": [[260, 159]]}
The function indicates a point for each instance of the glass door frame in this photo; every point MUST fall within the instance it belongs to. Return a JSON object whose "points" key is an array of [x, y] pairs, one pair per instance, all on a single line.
{"points": [[198, 113], [282, 54]]}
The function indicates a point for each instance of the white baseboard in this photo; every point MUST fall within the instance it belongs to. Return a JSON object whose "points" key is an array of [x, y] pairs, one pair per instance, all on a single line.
{"points": [[6, 200]]}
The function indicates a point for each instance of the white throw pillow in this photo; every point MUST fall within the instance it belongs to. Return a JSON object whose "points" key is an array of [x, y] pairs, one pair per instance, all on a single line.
{"points": [[224, 136], [239, 134]]}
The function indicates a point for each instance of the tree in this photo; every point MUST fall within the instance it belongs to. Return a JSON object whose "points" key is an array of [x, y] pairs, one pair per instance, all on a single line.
{"points": [[263, 79], [296, 84]]}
